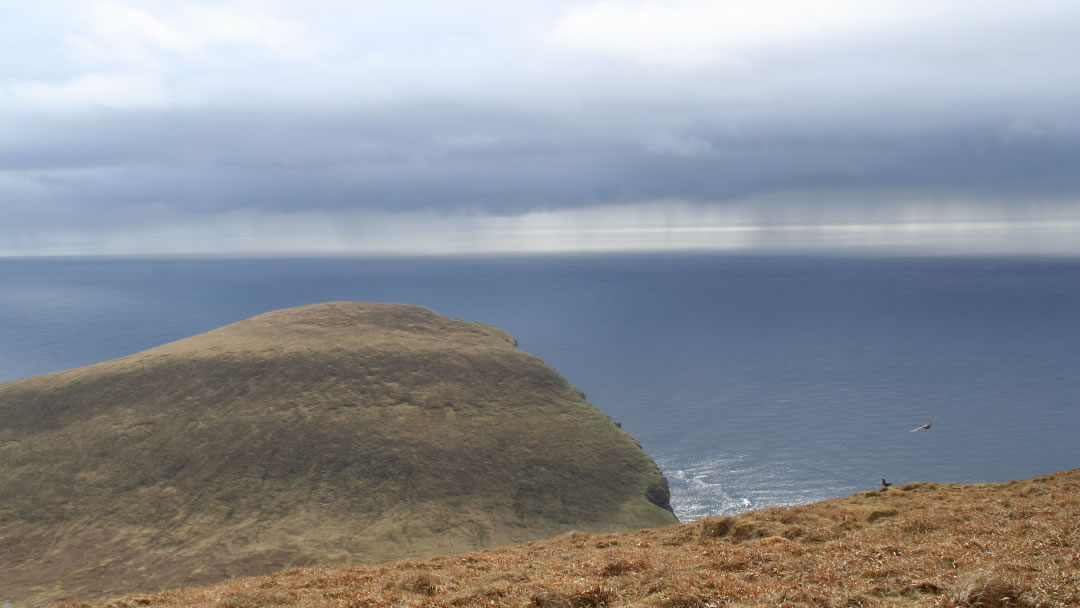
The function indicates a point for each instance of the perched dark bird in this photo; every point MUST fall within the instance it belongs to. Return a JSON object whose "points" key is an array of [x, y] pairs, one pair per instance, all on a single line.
{"points": [[884, 483], [925, 426]]}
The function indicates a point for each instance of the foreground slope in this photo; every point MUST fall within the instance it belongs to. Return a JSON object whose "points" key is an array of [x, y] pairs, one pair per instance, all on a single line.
{"points": [[332, 432], [922, 544]]}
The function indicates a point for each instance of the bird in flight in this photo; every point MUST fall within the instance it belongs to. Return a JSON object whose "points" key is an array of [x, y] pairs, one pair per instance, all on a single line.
{"points": [[884, 483], [925, 426]]}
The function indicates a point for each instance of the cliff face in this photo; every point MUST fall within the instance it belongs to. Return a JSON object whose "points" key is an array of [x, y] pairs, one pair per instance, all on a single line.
{"points": [[331, 432]]}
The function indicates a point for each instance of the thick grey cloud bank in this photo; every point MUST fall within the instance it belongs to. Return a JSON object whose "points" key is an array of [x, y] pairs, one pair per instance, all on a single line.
{"points": [[236, 126]]}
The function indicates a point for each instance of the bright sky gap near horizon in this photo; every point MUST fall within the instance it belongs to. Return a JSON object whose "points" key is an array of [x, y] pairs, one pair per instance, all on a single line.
{"points": [[279, 127]]}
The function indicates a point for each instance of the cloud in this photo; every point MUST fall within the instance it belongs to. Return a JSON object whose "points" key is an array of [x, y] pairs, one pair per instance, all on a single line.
{"points": [[122, 55], [116, 115], [123, 34], [106, 90], [888, 54], [694, 33], [449, 158]]}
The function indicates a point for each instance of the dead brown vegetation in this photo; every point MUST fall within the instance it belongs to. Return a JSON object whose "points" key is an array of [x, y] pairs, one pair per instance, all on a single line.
{"points": [[927, 545]]}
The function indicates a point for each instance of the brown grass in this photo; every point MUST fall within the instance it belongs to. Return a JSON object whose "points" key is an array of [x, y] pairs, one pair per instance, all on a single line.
{"points": [[1012, 544]]}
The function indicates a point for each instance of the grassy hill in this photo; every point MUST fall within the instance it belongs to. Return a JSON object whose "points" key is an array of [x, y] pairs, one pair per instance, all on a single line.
{"points": [[922, 544], [326, 433]]}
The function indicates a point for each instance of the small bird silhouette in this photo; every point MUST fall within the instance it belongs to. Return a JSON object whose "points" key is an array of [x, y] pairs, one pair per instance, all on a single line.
{"points": [[884, 483], [925, 426]]}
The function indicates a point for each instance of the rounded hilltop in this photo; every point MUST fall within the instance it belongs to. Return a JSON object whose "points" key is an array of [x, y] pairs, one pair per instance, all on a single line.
{"points": [[334, 432]]}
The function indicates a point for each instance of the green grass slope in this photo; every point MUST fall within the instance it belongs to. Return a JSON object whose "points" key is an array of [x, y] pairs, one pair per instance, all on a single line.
{"points": [[326, 433]]}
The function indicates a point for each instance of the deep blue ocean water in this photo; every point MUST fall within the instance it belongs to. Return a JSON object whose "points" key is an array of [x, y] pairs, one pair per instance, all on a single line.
{"points": [[753, 381]]}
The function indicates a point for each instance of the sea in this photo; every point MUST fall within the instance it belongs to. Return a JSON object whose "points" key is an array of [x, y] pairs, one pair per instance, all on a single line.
{"points": [[752, 380]]}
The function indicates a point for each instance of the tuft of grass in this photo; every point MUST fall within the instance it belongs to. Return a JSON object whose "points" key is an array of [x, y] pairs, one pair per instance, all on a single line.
{"points": [[622, 567], [717, 527], [920, 525], [750, 530], [985, 589], [420, 583], [589, 598], [881, 514]]}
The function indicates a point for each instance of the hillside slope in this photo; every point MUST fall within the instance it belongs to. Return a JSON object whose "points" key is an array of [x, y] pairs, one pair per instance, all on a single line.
{"points": [[922, 544], [331, 432]]}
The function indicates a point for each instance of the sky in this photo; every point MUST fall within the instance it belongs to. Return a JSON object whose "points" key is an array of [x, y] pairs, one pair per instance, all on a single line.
{"points": [[475, 126]]}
